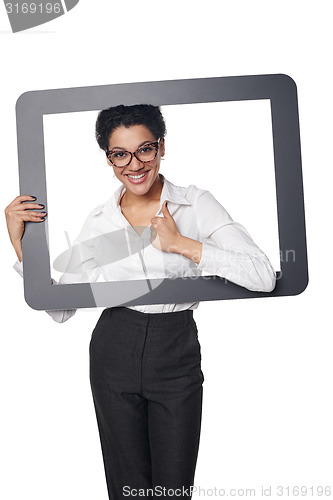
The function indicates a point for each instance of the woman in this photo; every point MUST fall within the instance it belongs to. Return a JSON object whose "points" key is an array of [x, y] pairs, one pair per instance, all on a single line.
{"points": [[145, 362]]}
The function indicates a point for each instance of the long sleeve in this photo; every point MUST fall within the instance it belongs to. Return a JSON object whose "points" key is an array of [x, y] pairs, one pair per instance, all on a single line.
{"points": [[79, 267], [59, 316], [228, 250]]}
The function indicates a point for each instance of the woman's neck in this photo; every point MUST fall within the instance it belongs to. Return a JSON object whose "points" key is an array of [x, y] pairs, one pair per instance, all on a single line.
{"points": [[154, 194]]}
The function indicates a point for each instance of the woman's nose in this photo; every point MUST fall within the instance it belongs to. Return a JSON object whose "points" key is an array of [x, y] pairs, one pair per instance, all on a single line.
{"points": [[135, 164]]}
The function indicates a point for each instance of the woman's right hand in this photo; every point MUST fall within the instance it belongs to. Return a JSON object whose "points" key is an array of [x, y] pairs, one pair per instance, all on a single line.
{"points": [[17, 213]]}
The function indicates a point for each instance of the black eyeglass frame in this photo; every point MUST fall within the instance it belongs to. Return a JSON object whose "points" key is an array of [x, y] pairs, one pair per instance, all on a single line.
{"points": [[156, 144]]}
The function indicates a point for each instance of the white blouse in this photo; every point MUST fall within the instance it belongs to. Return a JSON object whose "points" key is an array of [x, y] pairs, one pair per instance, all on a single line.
{"points": [[228, 250]]}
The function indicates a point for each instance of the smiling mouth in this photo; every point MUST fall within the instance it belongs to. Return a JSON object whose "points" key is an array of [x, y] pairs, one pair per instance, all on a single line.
{"points": [[137, 177]]}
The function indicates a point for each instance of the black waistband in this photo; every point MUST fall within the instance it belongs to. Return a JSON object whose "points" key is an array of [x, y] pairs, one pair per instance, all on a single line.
{"points": [[154, 319]]}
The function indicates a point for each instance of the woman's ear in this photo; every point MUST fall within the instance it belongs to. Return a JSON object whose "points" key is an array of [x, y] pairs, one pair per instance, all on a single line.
{"points": [[162, 147], [107, 159]]}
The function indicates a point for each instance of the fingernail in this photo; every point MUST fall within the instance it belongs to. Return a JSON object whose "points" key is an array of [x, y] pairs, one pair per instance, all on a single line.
{"points": [[44, 213], [166, 203], [41, 205], [33, 197], [42, 218]]}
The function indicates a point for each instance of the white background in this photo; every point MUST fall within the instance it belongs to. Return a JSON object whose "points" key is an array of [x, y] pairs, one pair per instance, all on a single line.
{"points": [[267, 417], [225, 147]]}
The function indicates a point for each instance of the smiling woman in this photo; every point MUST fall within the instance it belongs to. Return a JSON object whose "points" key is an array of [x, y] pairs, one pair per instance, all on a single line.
{"points": [[138, 171], [145, 360], [133, 139]]}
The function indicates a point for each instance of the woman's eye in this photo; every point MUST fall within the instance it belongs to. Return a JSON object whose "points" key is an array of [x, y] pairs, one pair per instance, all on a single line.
{"points": [[118, 154], [146, 149]]}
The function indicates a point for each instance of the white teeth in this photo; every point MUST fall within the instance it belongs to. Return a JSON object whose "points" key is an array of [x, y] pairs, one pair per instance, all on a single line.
{"points": [[136, 176]]}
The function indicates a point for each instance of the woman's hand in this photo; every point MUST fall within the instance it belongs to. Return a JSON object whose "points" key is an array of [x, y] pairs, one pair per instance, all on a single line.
{"points": [[164, 233], [165, 236], [17, 213]]}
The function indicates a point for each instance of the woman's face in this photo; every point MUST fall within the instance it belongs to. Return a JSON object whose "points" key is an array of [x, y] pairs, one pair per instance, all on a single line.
{"points": [[130, 139]]}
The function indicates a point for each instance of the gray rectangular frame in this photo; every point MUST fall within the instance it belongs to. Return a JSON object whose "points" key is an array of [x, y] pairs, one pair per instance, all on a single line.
{"points": [[39, 291]]}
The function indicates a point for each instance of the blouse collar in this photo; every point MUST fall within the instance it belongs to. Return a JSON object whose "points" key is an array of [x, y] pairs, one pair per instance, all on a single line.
{"points": [[170, 192]]}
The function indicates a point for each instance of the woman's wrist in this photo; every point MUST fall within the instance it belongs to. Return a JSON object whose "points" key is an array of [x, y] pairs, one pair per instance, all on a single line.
{"points": [[192, 249]]}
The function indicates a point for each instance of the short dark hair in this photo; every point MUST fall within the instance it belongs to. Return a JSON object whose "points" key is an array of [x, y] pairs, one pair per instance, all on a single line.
{"points": [[139, 114]]}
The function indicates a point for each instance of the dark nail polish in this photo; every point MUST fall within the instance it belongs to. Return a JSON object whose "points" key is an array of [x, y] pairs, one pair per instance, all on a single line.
{"points": [[42, 218], [40, 205], [34, 197]]}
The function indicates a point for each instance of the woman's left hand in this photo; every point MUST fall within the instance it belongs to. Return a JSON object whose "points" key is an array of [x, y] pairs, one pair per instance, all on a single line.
{"points": [[164, 233]]}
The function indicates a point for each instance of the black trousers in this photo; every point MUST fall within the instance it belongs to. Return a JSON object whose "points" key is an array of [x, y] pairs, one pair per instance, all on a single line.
{"points": [[146, 381]]}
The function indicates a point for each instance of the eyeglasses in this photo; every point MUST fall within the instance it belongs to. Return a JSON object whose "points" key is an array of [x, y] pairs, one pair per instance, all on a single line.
{"points": [[122, 158]]}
